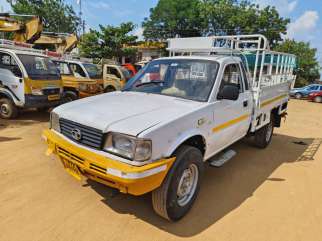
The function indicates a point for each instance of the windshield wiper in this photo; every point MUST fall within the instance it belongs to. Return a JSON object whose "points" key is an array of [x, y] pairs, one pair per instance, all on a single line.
{"points": [[148, 83]]}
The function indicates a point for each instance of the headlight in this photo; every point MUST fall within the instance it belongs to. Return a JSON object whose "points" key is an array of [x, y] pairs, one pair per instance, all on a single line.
{"points": [[129, 147], [35, 91], [54, 121], [83, 87]]}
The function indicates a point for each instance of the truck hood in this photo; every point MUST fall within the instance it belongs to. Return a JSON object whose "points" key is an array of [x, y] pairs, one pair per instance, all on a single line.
{"points": [[126, 112]]}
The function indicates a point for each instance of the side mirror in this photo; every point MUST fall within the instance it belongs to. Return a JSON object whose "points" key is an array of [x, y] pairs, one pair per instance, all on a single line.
{"points": [[229, 92]]}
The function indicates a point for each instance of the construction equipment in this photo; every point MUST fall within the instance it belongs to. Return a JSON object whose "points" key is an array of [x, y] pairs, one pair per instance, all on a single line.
{"points": [[24, 31], [31, 31], [59, 42]]}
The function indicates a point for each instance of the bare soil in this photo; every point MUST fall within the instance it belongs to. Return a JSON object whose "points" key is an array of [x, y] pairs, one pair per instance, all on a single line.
{"points": [[271, 194]]}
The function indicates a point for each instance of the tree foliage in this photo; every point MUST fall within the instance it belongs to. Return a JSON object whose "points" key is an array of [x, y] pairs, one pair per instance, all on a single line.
{"points": [[57, 16], [108, 42], [187, 18], [307, 64]]}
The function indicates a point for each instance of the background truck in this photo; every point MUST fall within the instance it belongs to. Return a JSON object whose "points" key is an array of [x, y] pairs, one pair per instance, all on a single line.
{"points": [[180, 112], [28, 79], [76, 87], [115, 76]]}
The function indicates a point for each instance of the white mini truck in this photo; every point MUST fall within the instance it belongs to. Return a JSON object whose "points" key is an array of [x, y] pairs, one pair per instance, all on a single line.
{"points": [[175, 115]]}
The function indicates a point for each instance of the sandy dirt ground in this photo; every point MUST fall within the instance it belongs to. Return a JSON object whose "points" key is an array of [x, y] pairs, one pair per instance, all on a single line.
{"points": [[271, 194]]}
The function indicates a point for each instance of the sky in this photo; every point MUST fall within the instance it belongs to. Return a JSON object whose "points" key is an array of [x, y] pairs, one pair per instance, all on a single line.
{"points": [[305, 15]]}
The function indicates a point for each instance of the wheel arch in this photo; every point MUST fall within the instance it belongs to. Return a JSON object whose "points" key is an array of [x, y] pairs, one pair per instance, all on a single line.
{"points": [[195, 139]]}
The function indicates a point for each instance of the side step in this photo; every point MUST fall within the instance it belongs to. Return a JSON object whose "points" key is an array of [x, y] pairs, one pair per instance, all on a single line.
{"points": [[221, 158]]}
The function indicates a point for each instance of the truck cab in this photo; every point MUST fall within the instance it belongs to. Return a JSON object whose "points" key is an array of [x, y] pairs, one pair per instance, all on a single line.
{"points": [[75, 85], [115, 77], [28, 79]]}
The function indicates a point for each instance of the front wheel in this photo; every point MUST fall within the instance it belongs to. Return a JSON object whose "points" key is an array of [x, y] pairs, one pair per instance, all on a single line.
{"points": [[8, 109], [318, 99], [109, 89], [263, 136], [298, 96], [174, 198]]}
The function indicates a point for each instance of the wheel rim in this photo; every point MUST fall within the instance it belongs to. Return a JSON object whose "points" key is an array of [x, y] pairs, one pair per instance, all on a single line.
{"points": [[269, 131], [5, 110], [298, 96], [187, 185]]}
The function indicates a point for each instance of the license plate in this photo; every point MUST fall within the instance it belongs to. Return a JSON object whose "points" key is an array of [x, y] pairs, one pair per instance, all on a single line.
{"points": [[72, 169], [53, 97]]}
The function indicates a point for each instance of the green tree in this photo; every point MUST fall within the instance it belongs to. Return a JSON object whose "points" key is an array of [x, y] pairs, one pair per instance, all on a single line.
{"points": [[57, 16], [173, 17], [307, 70], [188, 18], [108, 42]]}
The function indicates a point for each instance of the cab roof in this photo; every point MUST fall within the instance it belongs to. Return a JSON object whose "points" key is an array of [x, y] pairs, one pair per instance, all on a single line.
{"points": [[217, 58], [24, 52]]}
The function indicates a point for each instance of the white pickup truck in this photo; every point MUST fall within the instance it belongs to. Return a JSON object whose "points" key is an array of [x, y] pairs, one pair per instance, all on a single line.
{"points": [[174, 116]]}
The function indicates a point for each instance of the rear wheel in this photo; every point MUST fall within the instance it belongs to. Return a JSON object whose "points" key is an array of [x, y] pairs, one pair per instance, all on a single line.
{"points": [[318, 99], [298, 96], [174, 198], [8, 109], [264, 135]]}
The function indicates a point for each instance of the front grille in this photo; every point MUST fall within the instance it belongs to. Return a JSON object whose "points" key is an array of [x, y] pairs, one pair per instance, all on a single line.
{"points": [[97, 168], [51, 91], [89, 136], [70, 156]]}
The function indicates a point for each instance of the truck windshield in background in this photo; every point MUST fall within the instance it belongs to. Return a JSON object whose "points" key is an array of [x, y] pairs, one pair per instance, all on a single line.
{"points": [[126, 73], [39, 68], [187, 79], [93, 71]]}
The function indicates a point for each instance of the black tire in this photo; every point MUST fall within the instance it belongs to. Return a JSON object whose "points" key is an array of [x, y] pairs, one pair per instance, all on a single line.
{"points": [[298, 96], [318, 99], [165, 199], [43, 109], [8, 109], [263, 136], [109, 89], [70, 96]]}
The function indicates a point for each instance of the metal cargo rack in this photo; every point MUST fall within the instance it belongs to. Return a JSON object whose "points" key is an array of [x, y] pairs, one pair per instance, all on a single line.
{"points": [[266, 67]]}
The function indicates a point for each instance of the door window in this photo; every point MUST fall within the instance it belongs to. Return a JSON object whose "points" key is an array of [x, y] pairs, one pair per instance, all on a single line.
{"points": [[78, 71], [9, 63], [113, 71], [63, 68], [232, 76]]}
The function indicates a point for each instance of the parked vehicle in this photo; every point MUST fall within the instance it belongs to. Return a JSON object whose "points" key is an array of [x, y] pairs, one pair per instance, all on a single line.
{"points": [[179, 112], [28, 79], [76, 87], [316, 97], [131, 68], [304, 92], [115, 76]]}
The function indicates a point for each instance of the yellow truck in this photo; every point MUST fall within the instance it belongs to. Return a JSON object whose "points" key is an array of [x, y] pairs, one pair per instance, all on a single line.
{"points": [[28, 79], [76, 87]]}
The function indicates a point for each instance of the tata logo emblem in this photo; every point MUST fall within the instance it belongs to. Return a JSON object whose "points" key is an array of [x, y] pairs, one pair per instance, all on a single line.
{"points": [[76, 134]]}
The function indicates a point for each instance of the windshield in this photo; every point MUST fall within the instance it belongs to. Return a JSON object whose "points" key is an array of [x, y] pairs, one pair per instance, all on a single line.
{"points": [[93, 71], [39, 68], [183, 78]]}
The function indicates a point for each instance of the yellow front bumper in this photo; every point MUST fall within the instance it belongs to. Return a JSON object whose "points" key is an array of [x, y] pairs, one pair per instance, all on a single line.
{"points": [[128, 179]]}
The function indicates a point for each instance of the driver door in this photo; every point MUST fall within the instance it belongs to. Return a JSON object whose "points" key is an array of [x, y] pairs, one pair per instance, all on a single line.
{"points": [[113, 74], [11, 76], [231, 118]]}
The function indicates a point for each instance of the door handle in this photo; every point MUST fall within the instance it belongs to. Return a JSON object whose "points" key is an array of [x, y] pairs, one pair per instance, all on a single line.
{"points": [[245, 103]]}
